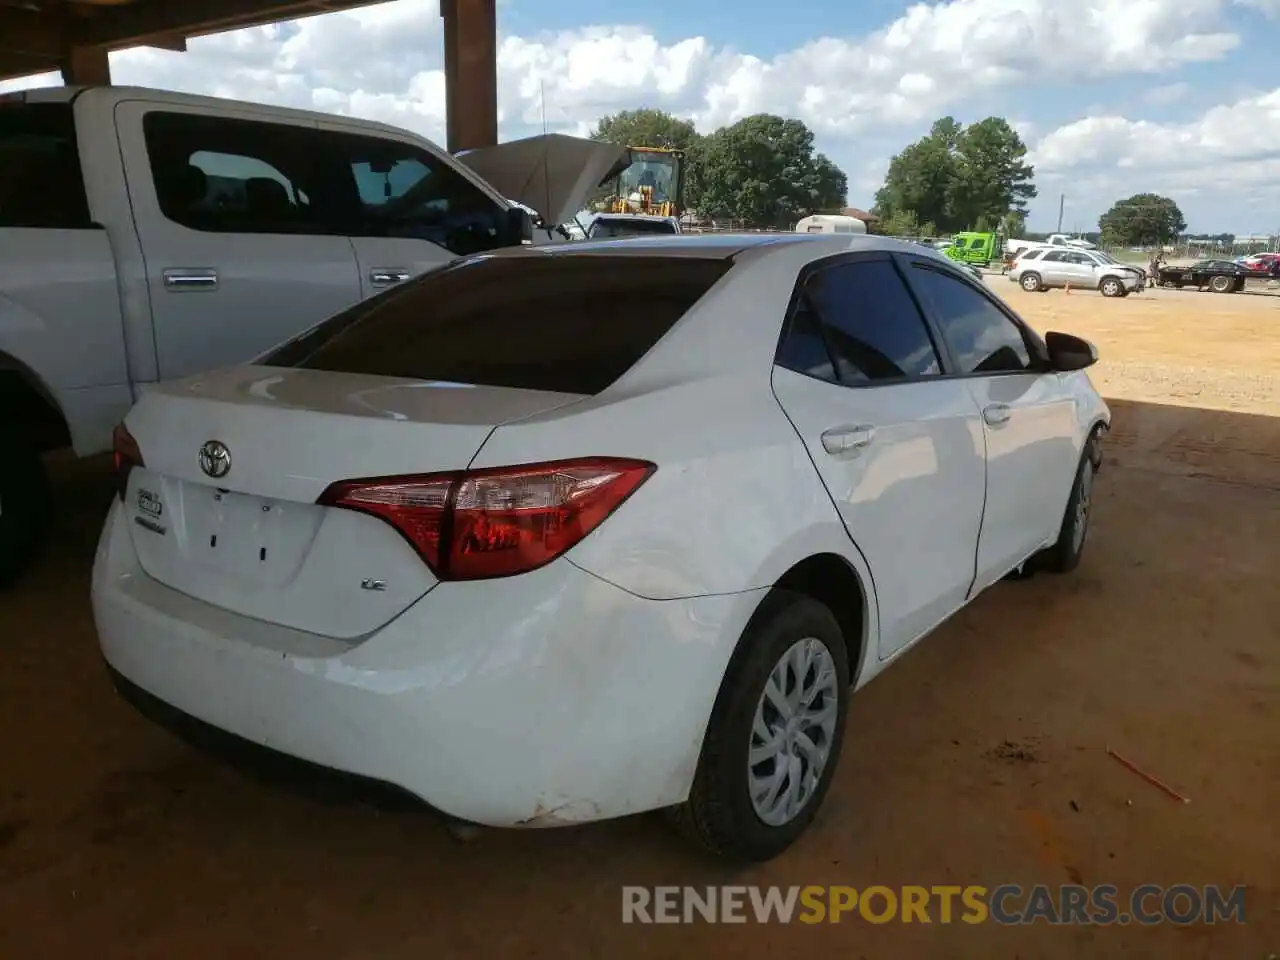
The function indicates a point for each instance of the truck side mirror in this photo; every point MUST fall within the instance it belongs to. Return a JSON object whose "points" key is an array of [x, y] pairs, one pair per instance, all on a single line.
{"points": [[517, 227]]}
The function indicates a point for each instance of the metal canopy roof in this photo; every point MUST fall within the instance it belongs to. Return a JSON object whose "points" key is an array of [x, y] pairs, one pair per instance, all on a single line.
{"points": [[35, 35]]}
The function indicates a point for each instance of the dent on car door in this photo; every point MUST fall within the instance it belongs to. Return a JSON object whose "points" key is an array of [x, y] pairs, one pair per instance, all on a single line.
{"points": [[1029, 419], [898, 446]]}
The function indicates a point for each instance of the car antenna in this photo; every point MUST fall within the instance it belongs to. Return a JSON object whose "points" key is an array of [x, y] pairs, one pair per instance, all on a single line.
{"points": [[546, 151]]}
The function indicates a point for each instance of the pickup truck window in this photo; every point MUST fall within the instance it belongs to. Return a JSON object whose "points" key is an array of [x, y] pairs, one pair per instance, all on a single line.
{"points": [[403, 191], [40, 182], [226, 175]]}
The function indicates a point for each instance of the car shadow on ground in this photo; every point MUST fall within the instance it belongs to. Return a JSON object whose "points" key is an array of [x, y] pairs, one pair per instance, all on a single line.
{"points": [[980, 758]]}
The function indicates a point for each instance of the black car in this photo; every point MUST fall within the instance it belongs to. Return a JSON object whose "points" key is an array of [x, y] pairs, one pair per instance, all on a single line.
{"points": [[1220, 276]]}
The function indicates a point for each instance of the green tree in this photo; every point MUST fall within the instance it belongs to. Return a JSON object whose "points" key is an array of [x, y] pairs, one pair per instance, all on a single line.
{"points": [[1143, 220], [960, 177], [1013, 224], [900, 223], [992, 175], [763, 169], [920, 178], [646, 128]]}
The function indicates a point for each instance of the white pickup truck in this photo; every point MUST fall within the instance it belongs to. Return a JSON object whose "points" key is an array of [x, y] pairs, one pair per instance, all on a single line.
{"points": [[147, 235]]}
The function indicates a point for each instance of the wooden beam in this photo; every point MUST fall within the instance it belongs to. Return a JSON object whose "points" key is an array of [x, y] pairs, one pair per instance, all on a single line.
{"points": [[173, 41], [139, 23], [31, 34], [470, 73]]}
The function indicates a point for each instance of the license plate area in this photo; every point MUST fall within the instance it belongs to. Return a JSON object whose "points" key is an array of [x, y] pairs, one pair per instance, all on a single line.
{"points": [[248, 537]]}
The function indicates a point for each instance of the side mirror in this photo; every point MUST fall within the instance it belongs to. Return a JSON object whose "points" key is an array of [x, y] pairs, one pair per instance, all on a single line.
{"points": [[517, 227], [1067, 352]]}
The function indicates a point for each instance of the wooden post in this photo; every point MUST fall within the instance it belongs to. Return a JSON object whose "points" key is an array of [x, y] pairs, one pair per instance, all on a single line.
{"points": [[470, 73], [86, 67]]}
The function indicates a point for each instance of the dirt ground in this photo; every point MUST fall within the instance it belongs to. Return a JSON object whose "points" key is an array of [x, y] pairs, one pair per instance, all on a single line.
{"points": [[981, 758]]}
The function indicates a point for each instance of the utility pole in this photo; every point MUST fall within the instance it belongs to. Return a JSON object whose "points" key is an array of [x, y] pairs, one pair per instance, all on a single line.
{"points": [[1062, 202]]}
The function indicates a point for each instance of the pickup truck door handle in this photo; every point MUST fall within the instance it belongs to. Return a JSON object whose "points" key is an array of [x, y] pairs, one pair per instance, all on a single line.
{"points": [[181, 279], [385, 276], [839, 440], [996, 414]]}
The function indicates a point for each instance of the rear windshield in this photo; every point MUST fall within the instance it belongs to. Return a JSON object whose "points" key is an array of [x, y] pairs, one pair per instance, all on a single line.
{"points": [[570, 324], [602, 229], [40, 182]]}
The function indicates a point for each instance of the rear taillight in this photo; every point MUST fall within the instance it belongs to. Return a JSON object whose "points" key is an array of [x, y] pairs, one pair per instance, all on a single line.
{"points": [[126, 455], [478, 524]]}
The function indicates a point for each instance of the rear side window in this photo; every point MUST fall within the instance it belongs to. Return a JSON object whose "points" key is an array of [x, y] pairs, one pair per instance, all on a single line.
{"points": [[865, 319], [570, 324], [41, 185], [221, 174]]}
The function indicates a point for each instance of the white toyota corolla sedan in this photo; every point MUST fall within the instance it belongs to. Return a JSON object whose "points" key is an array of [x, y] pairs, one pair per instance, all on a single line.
{"points": [[559, 534]]}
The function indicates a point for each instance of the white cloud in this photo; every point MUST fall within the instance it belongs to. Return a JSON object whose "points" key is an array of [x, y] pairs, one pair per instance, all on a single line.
{"points": [[1231, 150], [384, 62], [1269, 7], [1247, 131], [1168, 94]]}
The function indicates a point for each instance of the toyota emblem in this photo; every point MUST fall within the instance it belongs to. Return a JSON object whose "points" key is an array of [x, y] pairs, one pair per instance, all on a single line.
{"points": [[215, 459]]}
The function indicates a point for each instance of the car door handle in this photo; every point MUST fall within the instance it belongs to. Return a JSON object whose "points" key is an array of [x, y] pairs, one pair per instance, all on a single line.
{"points": [[180, 279], [839, 440], [384, 276], [996, 414]]}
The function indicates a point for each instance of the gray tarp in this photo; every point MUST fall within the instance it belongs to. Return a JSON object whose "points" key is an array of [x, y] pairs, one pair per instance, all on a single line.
{"points": [[552, 173]]}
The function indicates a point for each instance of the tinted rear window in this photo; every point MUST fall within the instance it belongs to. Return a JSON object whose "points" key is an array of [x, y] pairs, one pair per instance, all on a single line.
{"points": [[572, 324], [40, 181], [602, 229]]}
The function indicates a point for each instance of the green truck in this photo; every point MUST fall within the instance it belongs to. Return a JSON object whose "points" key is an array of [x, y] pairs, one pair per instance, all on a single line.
{"points": [[978, 248]]}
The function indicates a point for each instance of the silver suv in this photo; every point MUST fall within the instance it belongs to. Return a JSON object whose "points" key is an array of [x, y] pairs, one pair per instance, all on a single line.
{"points": [[1040, 268]]}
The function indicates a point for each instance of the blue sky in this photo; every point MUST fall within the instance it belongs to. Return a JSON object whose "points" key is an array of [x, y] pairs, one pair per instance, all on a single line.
{"points": [[1113, 97]]}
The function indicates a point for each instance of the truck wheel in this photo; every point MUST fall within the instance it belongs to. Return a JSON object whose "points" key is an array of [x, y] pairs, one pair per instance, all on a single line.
{"points": [[1221, 284], [24, 504], [1031, 282], [1111, 287]]}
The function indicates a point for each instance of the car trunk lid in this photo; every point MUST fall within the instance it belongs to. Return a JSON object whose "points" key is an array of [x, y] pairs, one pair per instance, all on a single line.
{"points": [[224, 509]]}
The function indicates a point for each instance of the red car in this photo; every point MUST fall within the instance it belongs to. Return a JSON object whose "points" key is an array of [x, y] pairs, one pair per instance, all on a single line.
{"points": [[1261, 261]]}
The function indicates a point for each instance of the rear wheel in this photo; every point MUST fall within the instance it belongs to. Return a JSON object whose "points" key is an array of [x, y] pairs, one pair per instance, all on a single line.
{"points": [[775, 733], [1221, 284], [1031, 282], [24, 503]]}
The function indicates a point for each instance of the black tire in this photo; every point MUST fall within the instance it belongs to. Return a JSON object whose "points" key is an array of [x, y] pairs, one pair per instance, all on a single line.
{"points": [[1064, 555], [24, 503], [719, 814], [1111, 287], [1031, 282], [1221, 284]]}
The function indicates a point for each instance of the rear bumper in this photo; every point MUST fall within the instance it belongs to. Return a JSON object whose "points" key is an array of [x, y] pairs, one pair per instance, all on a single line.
{"points": [[544, 699]]}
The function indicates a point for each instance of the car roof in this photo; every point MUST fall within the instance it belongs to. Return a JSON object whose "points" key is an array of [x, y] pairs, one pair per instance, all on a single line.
{"points": [[724, 246]]}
